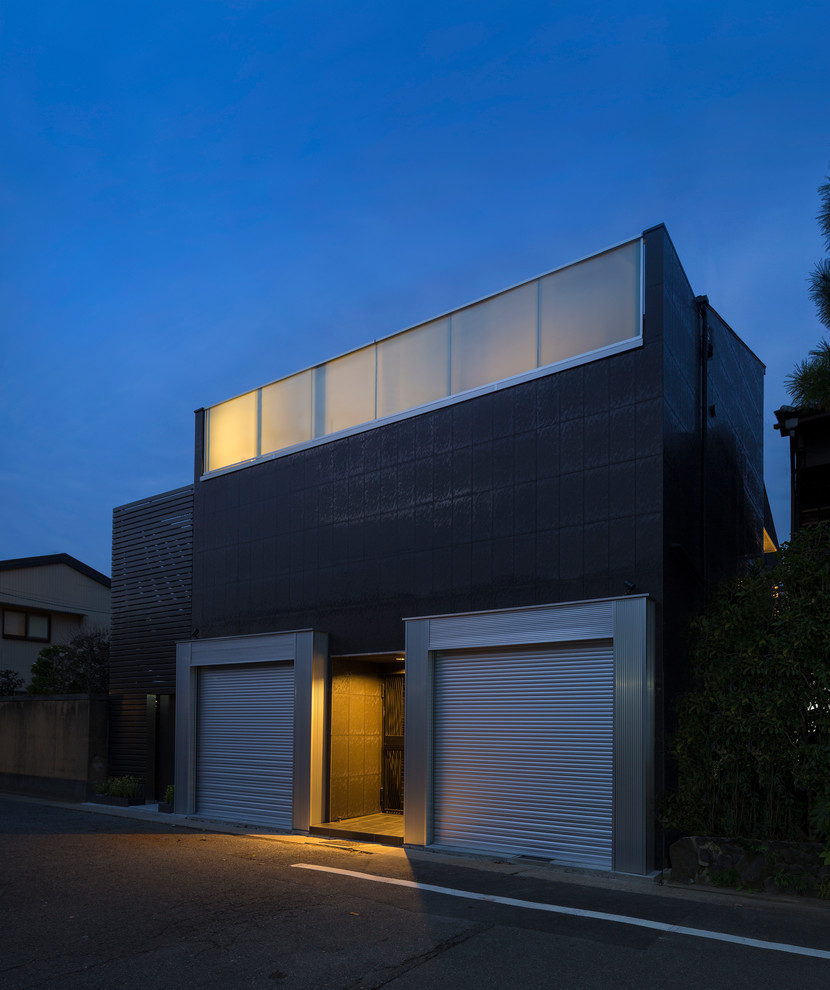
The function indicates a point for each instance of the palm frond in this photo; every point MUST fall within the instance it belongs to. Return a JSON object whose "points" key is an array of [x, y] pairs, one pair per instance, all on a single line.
{"points": [[820, 289], [809, 382], [823, 216]]}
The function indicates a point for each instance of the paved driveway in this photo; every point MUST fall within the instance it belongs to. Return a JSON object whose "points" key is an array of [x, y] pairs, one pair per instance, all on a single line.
{"points": [[96, 901]]}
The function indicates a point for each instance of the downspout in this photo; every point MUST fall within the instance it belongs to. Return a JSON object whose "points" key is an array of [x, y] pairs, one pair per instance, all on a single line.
{"points": [[705, 352]]}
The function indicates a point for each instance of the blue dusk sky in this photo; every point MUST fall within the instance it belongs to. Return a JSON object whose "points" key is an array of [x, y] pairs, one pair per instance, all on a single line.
{"points": [[200, 197]]}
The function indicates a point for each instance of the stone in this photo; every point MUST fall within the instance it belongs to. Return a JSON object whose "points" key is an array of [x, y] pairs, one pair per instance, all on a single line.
{"points": [[724, 861], [751, 869], [683, 856]]}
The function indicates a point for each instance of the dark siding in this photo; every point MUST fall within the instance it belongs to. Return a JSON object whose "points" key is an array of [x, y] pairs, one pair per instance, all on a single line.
{"points": [[128, 735], [734, 449], [711, 466], [809, 435], [680, 471], [151, 605]]}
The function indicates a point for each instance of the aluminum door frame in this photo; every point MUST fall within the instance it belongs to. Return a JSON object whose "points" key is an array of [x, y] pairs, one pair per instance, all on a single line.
{"points": [[629, 622], [309, 652]]}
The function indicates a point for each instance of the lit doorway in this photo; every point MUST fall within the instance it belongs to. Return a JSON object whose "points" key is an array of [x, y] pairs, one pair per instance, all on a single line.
{"points": [[366, 751]]}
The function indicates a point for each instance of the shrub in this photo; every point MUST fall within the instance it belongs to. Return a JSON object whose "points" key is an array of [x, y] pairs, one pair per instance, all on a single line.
{"points": [[753, 740], [10, 681], [168, 794], [125, 787], [80, 666]]}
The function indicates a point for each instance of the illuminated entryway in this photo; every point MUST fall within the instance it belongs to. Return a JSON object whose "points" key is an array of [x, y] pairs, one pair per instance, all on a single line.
{"points": [[366, 756]]}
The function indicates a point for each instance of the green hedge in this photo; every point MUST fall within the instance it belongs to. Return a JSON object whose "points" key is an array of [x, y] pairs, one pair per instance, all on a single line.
{"points": [[753, 741], [125, 787]]}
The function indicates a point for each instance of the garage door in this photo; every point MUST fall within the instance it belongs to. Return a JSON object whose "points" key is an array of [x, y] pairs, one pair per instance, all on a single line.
{"points": [[245, 743], [523, 752]]}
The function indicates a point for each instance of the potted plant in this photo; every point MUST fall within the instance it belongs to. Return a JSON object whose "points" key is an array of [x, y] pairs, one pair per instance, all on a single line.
{"points": [[167, 804], [120, 791]]}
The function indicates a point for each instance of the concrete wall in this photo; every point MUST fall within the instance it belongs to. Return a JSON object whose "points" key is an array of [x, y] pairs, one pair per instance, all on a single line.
{"points": [[53, 747]]}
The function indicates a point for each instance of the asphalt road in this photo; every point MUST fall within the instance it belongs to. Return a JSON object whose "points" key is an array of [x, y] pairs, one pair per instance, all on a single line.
{"points": [[90, 900]]}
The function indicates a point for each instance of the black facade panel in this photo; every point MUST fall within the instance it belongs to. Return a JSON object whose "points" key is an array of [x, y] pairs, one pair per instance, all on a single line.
{"points": [[734, 494], [711, 503]]}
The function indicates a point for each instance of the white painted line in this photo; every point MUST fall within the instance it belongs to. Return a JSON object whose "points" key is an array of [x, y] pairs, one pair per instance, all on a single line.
{"points": [[620, 919]]}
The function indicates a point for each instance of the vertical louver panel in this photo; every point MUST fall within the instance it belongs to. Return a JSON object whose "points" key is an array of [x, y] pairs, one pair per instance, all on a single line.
{"points": [[244, 756], [523, 752], [152, 548]]}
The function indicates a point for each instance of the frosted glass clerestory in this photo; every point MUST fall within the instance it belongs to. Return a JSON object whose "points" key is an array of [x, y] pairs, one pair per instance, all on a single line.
{"points": [[577, 310]]}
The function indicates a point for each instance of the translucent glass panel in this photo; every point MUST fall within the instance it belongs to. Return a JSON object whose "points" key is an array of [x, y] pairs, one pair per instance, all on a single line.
{"points": [[344, 392], [591, 304], [232, 431], [286, 412], [414, 368], [568, 313], [494, 339]]}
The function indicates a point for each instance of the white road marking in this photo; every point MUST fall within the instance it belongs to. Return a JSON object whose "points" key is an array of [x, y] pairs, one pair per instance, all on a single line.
{"points": [[620, 919]]}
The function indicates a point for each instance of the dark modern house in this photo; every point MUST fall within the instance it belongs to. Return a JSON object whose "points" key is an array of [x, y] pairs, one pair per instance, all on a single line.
{"points": [[445, 578], [808, 431]]}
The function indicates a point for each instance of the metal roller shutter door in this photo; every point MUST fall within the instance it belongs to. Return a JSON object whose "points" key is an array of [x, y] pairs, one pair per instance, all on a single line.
{"points": [[523, 751], [245, 743]]}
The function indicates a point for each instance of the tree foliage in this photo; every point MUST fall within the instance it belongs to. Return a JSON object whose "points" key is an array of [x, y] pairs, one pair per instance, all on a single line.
{"points": [[809, 382], [820, 277], [753, 740], [81, 666], [10, 681]]}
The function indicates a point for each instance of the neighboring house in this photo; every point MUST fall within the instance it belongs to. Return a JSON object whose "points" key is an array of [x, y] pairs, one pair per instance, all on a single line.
{"points": [[809, 435], [468, 550], [47, 600]]}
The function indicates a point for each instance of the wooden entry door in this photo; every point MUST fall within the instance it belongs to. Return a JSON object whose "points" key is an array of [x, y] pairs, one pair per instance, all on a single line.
{"points": [[392, 757]]}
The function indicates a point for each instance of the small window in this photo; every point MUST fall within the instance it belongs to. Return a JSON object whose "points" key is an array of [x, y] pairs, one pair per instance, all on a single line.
{"points": [[26, 625], [14, 624]]}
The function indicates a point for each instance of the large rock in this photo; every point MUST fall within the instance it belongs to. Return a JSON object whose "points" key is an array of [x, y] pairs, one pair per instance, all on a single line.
{"points": [[785, 867], [685, 863]]}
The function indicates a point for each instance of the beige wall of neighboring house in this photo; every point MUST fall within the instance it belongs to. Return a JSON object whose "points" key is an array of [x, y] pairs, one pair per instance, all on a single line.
{"points": [[45, 601]]}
